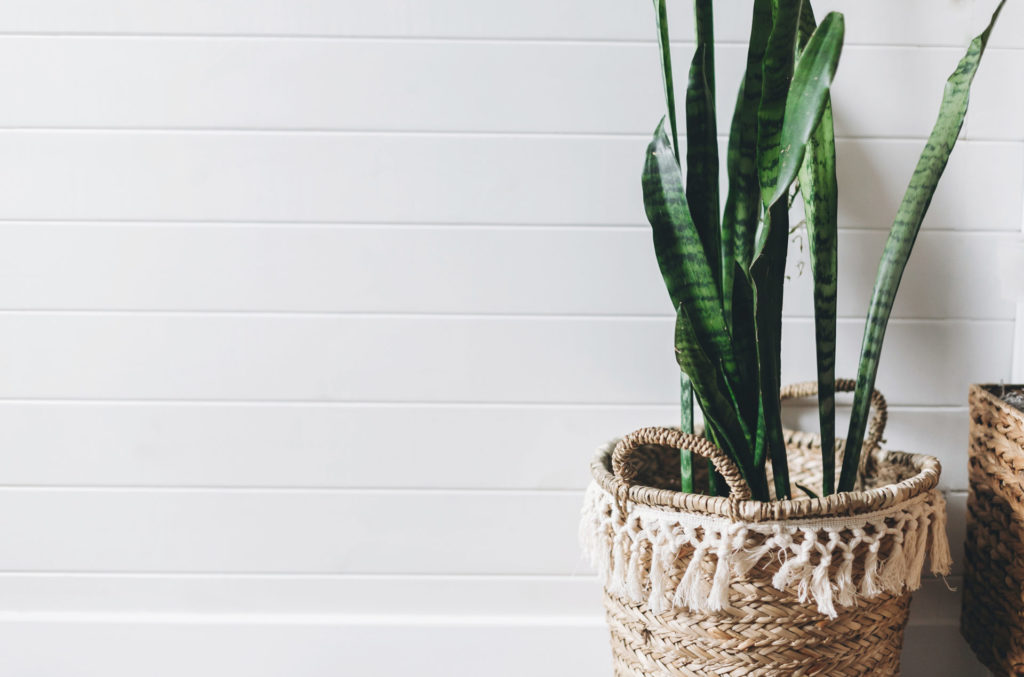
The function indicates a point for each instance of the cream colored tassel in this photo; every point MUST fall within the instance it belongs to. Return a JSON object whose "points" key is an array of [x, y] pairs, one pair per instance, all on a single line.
{"points": [[941, 559]]}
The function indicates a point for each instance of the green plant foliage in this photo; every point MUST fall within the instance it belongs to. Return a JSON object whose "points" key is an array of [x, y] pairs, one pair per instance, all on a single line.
{"points": [[819, 190], [725, 268], [902, 236], [685, 386]]}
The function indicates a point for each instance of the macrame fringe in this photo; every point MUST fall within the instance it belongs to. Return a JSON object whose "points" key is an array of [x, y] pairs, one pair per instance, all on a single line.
{"points": [[639, 555]]}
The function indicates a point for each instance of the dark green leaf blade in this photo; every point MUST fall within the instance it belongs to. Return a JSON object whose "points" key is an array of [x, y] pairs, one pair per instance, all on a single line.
{"points": [[710, 389], [768, 268], [686, 425], [768, 273], [819, 189], [680, 252], [702, 143], [778, 73], [807, 98], [743, 203], [901, 240], [745, 348], [665, 52]]}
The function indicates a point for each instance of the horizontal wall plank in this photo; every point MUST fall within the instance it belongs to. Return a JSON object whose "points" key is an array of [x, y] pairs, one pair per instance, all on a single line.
{"points": [[419, 179], [346, 446], [123, 648], [416, 86], [438, 359], [291, 532], [869, 21], [998, 95], [338, 598], [503, 649], [1007, 33], [326, 597], [438, 270], [962, 290], [304, 532]]}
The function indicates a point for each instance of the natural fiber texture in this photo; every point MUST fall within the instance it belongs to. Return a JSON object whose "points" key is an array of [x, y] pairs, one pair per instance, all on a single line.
{"points": [[992, 620], [701, 585]]}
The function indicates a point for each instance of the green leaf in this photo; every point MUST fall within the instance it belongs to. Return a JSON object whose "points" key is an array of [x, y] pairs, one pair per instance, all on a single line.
{"points": [[745, 349], [810, 494], [710, 389], [768, 273], [819, 189], [901, 240], [807, 98], [778, 73], [665, 51], [702, 143], [680, 252], [686, 425], [743, 203]]}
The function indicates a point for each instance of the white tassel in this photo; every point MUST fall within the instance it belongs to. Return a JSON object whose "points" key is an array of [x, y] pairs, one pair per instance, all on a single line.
{"points": [[894, 569], [941, 559], [821, 588], [693, 587], [869, 586], [659, 568], [639, 555], [916, 565], [845, 590], [718, 597], [821, 584], [620, 548], [635, 571]]}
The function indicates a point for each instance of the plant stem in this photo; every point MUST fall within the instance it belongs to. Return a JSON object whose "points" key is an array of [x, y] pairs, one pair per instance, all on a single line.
{"points": [[686, 425]]}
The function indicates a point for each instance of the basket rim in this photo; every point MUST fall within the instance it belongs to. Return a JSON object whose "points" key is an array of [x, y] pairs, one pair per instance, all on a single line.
{"points": [[927, 470], [984, 391]]}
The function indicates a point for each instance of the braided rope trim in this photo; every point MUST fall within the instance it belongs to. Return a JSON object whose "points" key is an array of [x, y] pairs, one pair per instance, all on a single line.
{"points": [[674, 560]]}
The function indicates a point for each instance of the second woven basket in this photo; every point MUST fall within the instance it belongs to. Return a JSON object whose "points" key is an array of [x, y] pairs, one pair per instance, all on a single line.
{"points": [[701, 585]]}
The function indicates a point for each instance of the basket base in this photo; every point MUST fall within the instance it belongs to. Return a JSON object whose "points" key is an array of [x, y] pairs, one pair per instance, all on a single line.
{"points": [[767, 634]]}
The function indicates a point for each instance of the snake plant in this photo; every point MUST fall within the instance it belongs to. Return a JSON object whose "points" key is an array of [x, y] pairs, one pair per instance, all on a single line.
{"points": [[725, 267]]}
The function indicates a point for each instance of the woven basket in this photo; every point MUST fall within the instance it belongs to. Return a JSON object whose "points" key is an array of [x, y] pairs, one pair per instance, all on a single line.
{"points": [[992, 620], [701, 585]]}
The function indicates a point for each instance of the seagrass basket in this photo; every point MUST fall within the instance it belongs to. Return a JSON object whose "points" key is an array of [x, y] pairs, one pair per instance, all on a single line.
{"points": [[701, 585], [992, 618]]}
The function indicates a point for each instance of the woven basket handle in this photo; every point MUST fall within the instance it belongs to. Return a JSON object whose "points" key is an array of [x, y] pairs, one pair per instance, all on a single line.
{"points": [[876, 428], [672, 437]]}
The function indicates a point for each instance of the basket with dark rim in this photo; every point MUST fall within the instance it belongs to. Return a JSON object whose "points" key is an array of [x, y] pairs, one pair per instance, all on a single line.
{"points": [[706, 585], [992, 619]]}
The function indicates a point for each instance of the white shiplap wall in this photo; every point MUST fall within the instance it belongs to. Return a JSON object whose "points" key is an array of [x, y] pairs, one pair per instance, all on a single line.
{"points": [[312, 313]]}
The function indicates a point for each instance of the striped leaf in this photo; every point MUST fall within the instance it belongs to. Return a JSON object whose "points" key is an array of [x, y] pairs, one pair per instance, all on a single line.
{"points": [[680, 253], [686, 425], [778, 73], [745, 348], [819, 189], [665, 51], [702, 157], [769, 273], [901, 240], [702, 143], [685, 387], [710, 389], [743, 203], [768, 269], [807, 98]]}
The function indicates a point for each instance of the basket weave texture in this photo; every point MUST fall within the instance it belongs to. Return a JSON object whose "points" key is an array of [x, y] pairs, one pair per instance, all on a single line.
{"points": [[992, 618], [701, 585]]}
